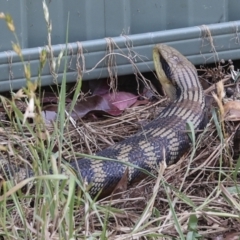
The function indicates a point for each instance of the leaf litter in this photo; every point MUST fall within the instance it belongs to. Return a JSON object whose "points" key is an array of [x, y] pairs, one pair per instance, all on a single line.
{"points": [[100, 102], [209, 196]]}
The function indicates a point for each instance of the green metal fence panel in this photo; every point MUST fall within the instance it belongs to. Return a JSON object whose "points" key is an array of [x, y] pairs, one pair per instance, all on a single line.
{"points": [[205, 31]]}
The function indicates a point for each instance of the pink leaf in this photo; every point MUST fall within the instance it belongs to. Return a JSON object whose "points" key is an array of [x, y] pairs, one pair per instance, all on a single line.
{"points": [[94, 104], [112, 104], [121, 100]]}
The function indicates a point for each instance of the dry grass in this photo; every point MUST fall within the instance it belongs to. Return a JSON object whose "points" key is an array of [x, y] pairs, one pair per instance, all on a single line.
{"points": [[203, 185]]}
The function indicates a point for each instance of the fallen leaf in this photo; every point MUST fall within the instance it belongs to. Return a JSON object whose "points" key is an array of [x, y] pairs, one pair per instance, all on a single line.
{"points": [[232, 111], [101, 102], [111, 103], [232, 236], [94, 104], [121, 100], [49, 114]]}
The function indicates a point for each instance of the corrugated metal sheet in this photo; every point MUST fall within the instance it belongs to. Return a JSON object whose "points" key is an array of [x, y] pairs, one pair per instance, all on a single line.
{"points": [[144, 22], [93, 19]]}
